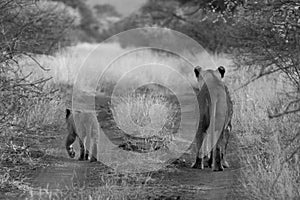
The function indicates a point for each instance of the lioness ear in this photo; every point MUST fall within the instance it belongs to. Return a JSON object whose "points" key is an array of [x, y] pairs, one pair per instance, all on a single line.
{"points": [[197, 71], [68, 112], [222, 71]]}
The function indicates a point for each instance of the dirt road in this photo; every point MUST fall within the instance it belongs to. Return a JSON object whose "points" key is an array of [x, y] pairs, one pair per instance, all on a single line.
{"points": [[175, 182]]}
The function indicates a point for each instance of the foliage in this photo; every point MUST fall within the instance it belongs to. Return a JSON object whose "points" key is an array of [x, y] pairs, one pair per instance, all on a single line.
{"points": [[191, 18], [27, 28], [106, 10], [88, 28], [106, 15], [267, 39], [32, 28], [268, 148], [225, 7]]}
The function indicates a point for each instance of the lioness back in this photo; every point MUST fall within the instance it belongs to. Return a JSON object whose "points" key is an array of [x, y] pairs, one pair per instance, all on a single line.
{"points": [[216, 111]]}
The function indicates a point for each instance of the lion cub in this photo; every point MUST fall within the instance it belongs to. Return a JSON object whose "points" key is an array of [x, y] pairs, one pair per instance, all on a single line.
{"points": [[87, 132]]}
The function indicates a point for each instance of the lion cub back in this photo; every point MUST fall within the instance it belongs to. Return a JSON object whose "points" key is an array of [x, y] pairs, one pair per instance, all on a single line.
{"points": [[83, 125]]}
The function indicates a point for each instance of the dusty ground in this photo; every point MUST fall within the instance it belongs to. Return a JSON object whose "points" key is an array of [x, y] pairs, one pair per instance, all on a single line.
{"points": [[175, 182], [183, 183]]}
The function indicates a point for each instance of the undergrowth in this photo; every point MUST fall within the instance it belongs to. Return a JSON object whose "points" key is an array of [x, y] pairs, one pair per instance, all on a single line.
{"points": [[268, 147]]}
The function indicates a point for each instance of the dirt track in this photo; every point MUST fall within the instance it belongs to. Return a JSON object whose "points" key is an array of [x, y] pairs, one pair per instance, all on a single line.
{"points": [[185, 183], [180, 182]]}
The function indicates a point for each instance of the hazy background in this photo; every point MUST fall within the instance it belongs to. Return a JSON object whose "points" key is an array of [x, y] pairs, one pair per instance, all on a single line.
{"points": [[124, 7]]}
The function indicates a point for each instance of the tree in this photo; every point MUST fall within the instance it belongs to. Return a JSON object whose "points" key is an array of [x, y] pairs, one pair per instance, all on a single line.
{"points": [[106, 16], [267, 35], [33, 28], [106, 10], [27, 28], [88, 28], [204, 21]]}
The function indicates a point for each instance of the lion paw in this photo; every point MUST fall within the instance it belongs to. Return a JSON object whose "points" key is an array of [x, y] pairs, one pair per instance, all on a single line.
{"points": [[218, 169], [93, 159], [198, 164]]}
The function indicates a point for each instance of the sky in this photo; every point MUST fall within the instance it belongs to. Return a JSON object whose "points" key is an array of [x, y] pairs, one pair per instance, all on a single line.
{"points": [[124, 7]]}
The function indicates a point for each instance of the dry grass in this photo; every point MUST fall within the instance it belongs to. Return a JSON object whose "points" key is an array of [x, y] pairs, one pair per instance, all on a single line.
{"points": [[149, 116], [15, 161], [265, 144], [145, 115], [92, 59], [113, 186]]}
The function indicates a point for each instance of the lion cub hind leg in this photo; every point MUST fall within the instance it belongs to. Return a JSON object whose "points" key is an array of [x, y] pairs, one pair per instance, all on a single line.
{"points": [[70, 140]]}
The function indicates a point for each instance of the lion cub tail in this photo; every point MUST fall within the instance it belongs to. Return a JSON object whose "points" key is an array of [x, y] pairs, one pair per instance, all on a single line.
{"points": [[68, 113]]}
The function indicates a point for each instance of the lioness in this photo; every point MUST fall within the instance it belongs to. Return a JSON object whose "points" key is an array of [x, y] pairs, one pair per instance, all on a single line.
{"points": [[215, 107], [87, 132]]}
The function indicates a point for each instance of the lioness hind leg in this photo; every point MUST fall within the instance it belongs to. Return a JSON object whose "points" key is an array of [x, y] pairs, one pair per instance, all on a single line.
{"points": [[210, 160], [217, 164], [82, 150], [93, 159], [224, 150], [94, 137], [200, 147], [94, 152], [198, 164], [86, 155], [86, 146], [224, 161]]}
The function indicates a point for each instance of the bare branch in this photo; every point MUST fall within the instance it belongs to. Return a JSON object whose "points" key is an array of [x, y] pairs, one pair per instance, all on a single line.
{"points": [[256, 77], [193, 12], [271, 116], [292, 140], [35, 60], [287, 110]]}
